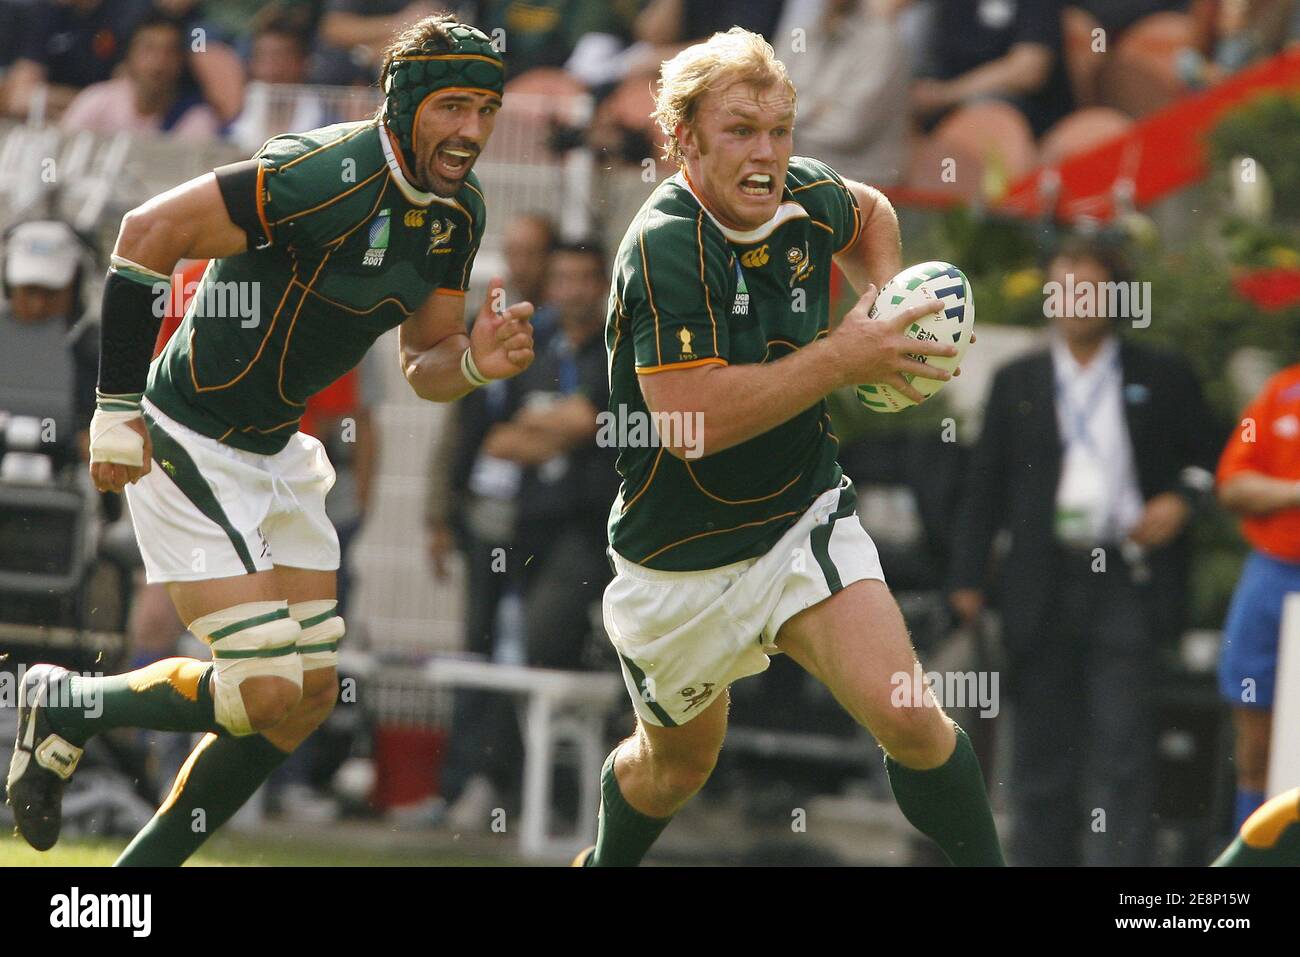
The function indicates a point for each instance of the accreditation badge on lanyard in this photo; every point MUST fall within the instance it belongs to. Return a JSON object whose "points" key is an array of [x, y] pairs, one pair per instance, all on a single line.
{"points": [[1087, 496]]}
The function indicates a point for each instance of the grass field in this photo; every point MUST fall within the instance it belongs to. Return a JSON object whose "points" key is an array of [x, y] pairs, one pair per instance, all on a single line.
{"points": [[241, 851]]}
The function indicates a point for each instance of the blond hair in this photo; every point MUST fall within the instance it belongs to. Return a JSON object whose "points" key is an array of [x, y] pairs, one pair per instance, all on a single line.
{"points": [[723, 59]]}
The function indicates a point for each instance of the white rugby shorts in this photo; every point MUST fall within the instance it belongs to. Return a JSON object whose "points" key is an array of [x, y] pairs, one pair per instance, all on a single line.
{"points": [[683, 637], [207, 510]]}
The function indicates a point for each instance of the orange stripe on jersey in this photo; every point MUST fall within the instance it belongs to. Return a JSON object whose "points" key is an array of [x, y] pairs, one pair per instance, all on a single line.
{"points": [[670, 366], [332, 200], [699, 239], [641, 491], [739, 501], [717, 531], [338, 142], [650, 296], [284, 351], [261, 203]]}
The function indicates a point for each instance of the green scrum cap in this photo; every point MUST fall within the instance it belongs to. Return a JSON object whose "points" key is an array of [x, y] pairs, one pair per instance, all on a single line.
{"points": [[470, 64]]}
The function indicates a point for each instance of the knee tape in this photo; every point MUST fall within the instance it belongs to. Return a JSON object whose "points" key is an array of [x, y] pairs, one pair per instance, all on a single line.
{"points": [[318, 644], [253, 640]]}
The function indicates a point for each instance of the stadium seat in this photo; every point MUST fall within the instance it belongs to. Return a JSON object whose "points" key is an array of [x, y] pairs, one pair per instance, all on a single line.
{"points": [[1082, 130], [561, 709]]}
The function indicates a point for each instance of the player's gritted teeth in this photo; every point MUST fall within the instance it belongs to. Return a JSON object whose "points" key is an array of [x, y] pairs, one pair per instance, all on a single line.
{"points": [[756, 184]]}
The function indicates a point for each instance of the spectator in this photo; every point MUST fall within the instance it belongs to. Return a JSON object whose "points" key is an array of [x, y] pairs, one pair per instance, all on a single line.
{"points": [[527, 245], [546, 33], [11, 12], [279, 47], [64, 46], [280, 56], [1116, 16], [234, 22], [152, 95], [1232, 35], [569, 480], [849, 117], [214, 31], [1093, 456], [1006, 49], [49, 362], [353, 34], [1259, 480], [472, 508], [667, 23]]}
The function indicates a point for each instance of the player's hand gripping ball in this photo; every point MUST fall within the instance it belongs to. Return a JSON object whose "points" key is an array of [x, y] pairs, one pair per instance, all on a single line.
{"points": [[955, 325]]}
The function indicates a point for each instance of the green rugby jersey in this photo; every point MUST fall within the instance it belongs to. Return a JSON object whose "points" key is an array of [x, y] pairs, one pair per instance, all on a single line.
{"points": [[688, 291], [351, 249]]}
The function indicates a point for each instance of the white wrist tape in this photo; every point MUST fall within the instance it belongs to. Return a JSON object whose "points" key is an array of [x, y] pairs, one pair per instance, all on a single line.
{"points": [[470, 371], [112, 440]]}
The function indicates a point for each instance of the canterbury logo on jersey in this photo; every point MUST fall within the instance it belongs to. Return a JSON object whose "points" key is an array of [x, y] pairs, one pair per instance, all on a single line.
{"points": [[755, 257], [414, 218], [440, 236]]}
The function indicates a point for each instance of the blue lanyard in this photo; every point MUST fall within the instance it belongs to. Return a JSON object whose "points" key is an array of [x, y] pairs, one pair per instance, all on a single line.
{"points": [[1077, 419]]}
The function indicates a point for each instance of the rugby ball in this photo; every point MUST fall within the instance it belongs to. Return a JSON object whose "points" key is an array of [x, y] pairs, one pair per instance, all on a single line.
{"points": [[955, 324]]}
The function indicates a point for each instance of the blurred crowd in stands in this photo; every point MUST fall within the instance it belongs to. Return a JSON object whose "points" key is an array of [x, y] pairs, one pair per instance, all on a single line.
{"points": [[1045, 79]]}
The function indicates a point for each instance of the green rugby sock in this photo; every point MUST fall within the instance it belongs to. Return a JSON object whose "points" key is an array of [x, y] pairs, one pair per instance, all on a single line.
{"points": [[949, 805], [168, 695], [215, 781], [625, 834]]}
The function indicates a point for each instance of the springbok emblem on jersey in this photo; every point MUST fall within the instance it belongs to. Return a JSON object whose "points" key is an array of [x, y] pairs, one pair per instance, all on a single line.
{"points": [[801, 264], [695, 696], [440, 236]]}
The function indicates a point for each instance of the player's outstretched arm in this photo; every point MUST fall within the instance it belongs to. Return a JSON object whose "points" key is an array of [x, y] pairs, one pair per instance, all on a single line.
{"points": [[740, 402], [442, 363], [188, 222]]}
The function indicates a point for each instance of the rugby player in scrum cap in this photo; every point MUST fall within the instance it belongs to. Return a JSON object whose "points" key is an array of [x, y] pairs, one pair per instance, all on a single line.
{"points": [[333, 237]]}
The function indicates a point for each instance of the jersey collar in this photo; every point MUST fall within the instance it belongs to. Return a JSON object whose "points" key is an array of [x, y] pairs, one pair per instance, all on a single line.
{"points": [[784, 213], [416, 196]]}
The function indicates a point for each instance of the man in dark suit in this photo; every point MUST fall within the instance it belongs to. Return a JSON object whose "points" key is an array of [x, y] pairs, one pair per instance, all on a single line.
{"points": [[1094, 455]]}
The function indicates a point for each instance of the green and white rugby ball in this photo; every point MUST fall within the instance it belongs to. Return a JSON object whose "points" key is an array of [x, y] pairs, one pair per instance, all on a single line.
{"points": [[915, 284]]}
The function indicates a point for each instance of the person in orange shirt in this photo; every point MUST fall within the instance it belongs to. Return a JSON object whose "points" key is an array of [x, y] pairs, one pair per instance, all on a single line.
{"points": [[1259, 480]]}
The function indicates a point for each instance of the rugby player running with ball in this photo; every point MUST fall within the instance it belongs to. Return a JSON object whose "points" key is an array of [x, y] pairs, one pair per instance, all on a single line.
{"points": [[720, 310]]}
